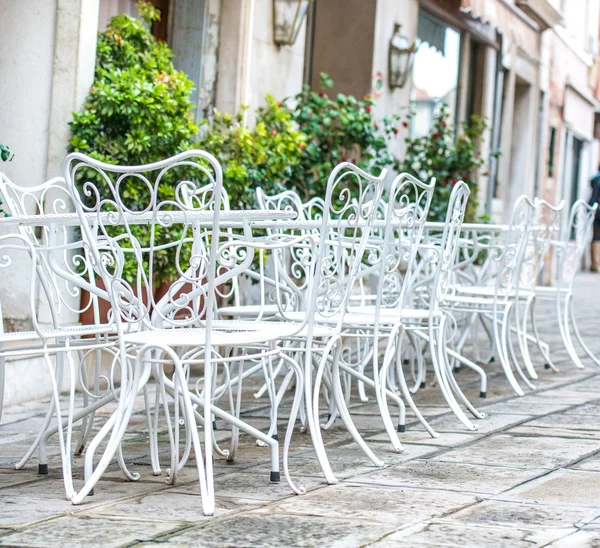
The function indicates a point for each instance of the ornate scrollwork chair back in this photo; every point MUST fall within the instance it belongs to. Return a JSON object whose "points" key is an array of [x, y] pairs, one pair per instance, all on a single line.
{"points": [[406, 212], [574, 239], [447, 254], [141, 220], [350, 209], [63, 268], [545, 228], [511, 249]]}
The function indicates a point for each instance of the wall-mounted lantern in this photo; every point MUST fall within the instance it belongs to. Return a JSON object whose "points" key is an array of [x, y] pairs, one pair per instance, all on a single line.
{"points": [[400, 58], [288, 16]]}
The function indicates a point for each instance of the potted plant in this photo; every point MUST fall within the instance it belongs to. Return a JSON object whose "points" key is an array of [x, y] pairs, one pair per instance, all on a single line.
{"points": [[138, 111]]}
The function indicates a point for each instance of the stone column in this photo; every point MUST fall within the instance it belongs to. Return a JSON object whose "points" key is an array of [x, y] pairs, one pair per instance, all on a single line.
{"points": [[73, 72]]}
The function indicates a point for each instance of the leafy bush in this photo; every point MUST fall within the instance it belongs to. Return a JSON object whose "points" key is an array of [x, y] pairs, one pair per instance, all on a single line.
{"points": [[448, 158], [264, 156], [5, 153], [337, 130], [138, 111]]}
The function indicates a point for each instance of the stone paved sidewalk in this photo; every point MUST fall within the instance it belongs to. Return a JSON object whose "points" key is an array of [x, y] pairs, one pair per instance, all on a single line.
{"points": [[530, 476]]}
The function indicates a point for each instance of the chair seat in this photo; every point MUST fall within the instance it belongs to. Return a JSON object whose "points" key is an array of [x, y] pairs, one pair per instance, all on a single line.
{"points": [[249, 311], [224, 333], [58, 333], [365, 316], [487, 291]]}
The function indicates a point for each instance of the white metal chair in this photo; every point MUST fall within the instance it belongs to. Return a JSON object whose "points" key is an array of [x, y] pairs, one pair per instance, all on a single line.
{"points": [[62, 272], [569, 249]]}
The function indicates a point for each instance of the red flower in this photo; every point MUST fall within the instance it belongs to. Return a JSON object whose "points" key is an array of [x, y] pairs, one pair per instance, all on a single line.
{"points": [[444, 123], [453, 181], [273, 132], [321, 94], [344, 158], [395, 130], [436, 135], [302, 146], [368, 110], [405, 124]]}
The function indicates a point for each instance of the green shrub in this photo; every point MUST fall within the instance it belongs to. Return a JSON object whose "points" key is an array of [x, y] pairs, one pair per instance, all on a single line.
{"points": [[449, 158], [265, 156], [138, 111], [337, 130], [5, 153]]}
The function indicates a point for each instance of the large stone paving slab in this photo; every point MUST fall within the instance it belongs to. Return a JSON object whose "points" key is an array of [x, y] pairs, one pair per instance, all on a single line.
{"points": [[584, 538], [593, 463], [418, 436], [456, 534], [578, 487], [164, 507], [592, 408], [252, 488], [275, 531], [384, 505], [523, 452], [526, 515], [452, 476], [528, 405], [348, 461], [571, 426], [74, 531], [491, 423]]}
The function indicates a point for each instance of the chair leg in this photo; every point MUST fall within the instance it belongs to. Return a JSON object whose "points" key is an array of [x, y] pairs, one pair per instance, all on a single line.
{"points": [[421, 368], [404, 388], [501, 345], [452, 381], [586, 349], [343, 410], [296, 404], [568, 319], [41, 438], [382, 399], [543, 347], [436, 341], [522, 335], [116, 425], [512, 353], [312, 415]]}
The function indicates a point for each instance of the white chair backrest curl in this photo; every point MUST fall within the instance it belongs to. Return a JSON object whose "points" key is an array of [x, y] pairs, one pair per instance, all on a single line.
{"points": [[574, 240], [125, 212]]}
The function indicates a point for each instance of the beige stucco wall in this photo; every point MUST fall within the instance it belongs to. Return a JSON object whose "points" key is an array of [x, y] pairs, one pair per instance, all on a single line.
{"points": [[250, 65], [390, 102]]}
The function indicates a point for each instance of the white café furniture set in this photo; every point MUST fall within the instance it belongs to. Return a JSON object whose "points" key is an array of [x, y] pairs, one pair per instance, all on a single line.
{"points": [[356, 295]]}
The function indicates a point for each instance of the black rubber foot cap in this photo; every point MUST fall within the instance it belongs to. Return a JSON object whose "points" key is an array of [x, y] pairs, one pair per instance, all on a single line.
{"points": [[423, 384], [457, 369], [492, 359], [405, 361], [275, 437], [328, 417], [43, 469], [401, 428], [483, 395], [275, 477], [214, 425], [91, 493], [547, 366]]}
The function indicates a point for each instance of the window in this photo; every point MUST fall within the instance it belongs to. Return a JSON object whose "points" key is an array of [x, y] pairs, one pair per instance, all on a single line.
{"points": [[576, 157], [435, 72], [551, 148]]}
